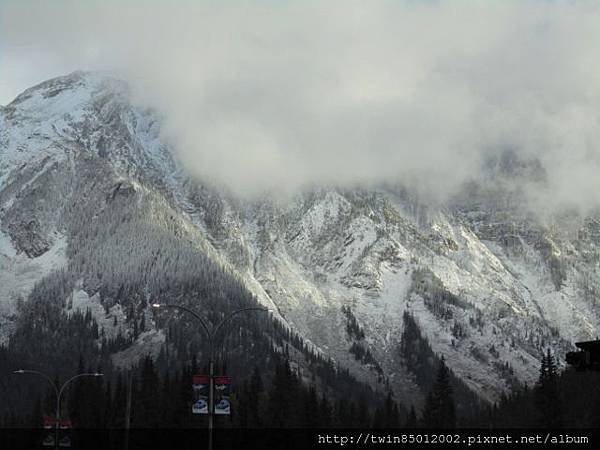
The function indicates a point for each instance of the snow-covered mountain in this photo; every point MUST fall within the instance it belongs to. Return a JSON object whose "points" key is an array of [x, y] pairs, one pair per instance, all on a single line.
{"points": [[86, 182]]}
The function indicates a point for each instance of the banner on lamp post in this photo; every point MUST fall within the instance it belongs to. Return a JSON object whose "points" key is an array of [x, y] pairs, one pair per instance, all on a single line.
{"points": [[49, 424], [222, 395], [64, 435], [200, 385]]}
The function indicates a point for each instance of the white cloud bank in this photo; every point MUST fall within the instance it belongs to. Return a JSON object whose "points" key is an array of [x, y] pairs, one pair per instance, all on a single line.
{"points": [[270, 94]]}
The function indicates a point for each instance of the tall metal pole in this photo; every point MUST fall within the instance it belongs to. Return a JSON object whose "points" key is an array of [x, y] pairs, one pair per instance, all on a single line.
{"points": [[128, 408], [57, 423], [210, 334], [58, 393], [211, 402]]}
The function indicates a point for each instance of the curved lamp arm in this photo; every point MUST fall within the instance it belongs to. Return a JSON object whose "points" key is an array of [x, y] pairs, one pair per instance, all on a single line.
{"points": [[58, 391], [188, 310], [41, 374], [64, 385], [231, 316], [209, 334]]}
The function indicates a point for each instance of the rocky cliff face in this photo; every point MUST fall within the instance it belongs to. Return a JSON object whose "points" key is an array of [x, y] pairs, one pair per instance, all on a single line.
{"points": [[489, 284]]}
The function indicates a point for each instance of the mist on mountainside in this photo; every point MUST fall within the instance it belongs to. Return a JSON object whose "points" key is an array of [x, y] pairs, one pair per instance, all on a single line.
{"points": [[281, 97]]}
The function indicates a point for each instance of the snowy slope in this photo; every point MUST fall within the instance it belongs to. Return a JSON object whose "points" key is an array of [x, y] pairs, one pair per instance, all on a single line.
{"points": [[18, 274]]}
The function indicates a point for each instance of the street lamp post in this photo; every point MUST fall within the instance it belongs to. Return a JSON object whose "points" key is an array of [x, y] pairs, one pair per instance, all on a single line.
{"points": [[210, 335], [58, 391]]}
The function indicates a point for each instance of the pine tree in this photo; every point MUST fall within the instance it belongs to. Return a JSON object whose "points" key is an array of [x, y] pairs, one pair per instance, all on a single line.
{"points": [[283, 399], [391, 412], [547, 396], [36, 418], [362, 415], [255, 404], [77, 397], [242, 406], [439, 411], [117, 414], [312, 412], [146, 412], [325, 412], [411, 420]]}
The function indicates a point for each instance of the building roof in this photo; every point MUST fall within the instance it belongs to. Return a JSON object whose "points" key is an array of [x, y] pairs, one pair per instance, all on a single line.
{"points": [[590, 346]]}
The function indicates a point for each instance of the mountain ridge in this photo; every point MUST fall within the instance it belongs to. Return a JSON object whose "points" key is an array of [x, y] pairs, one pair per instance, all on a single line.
{"points": [[488, 285]]}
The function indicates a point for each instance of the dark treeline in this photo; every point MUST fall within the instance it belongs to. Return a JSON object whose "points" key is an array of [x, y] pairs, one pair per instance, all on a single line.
{"points": [[567, 399], [282, 393], [270, 397], [278, 380]]}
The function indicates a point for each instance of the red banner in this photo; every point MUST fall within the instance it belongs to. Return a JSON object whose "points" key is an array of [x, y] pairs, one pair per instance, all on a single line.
{"points": [[222, 395], [200, 379], [50, 422], [200, 385]]}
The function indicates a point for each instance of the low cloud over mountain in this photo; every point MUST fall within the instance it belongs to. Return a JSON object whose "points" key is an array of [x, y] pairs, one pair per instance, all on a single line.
{"points": [[282, 95]]}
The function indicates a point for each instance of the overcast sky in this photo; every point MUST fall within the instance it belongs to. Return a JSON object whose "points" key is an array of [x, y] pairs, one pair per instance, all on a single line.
{"points": [[269, 94]]}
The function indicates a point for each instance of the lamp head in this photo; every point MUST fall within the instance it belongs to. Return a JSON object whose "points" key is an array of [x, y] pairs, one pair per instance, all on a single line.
{"points": [[156, 305]]}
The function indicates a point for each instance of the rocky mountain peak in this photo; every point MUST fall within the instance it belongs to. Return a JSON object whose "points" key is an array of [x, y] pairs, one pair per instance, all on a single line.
{"points": [[82, 170]]}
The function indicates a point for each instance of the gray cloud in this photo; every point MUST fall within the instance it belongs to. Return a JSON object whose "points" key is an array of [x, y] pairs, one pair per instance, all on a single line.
{"points": [[262, 95]]}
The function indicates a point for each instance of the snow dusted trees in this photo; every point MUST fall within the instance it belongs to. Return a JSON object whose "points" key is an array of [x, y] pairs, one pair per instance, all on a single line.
{"points": [[432, 374]]}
